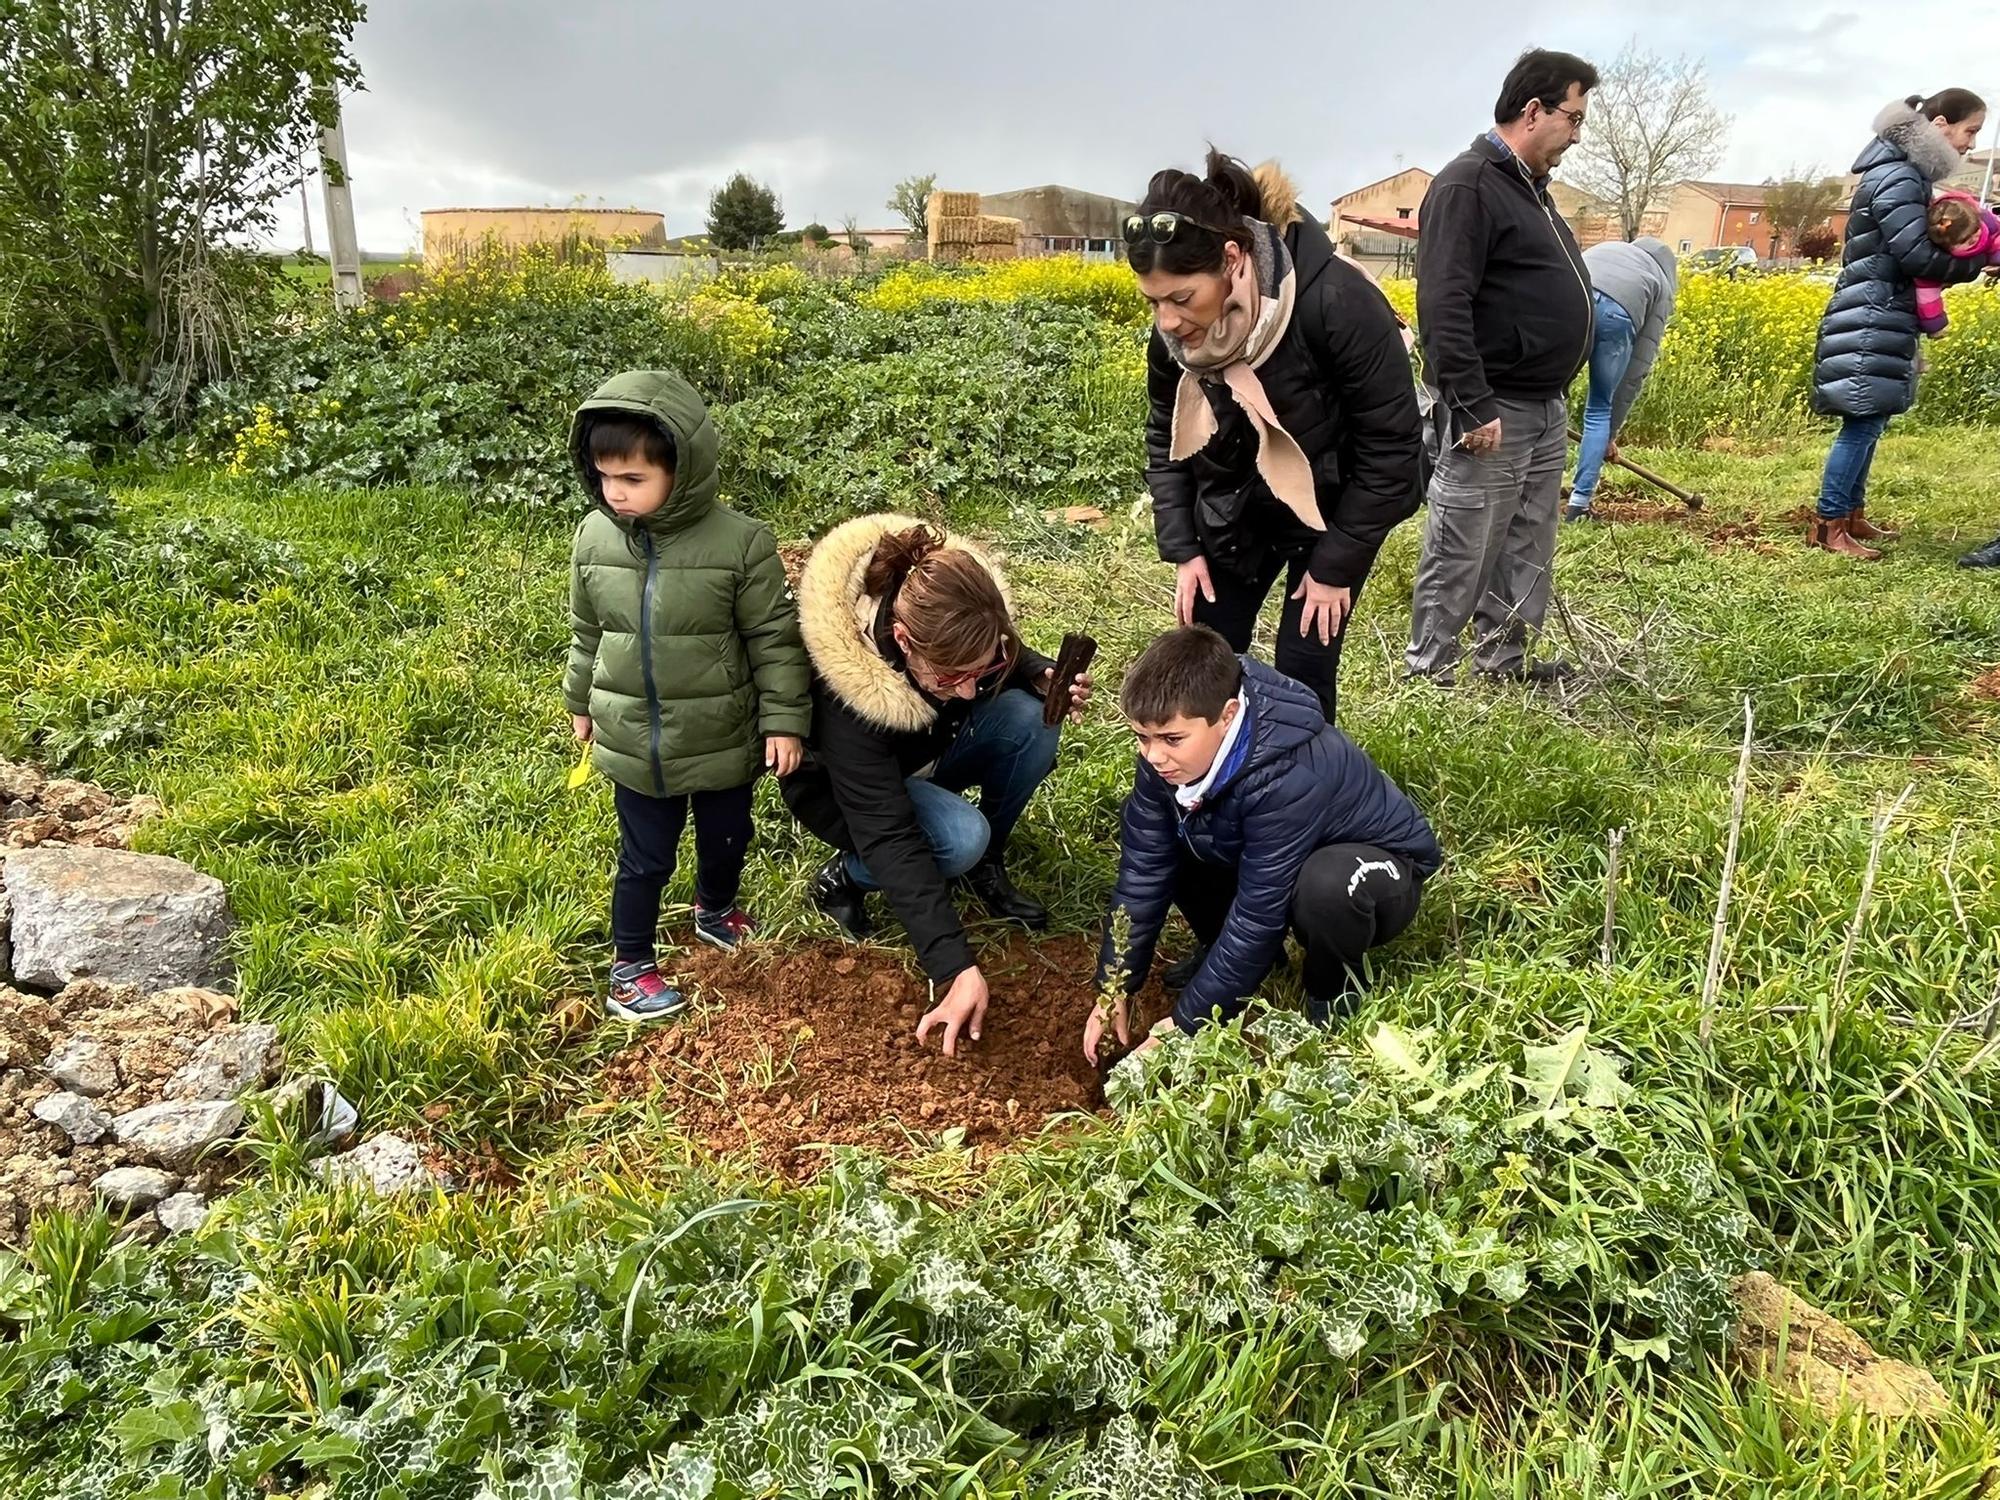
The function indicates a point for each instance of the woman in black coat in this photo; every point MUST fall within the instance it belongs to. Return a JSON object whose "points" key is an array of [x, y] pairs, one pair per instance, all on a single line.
{"points": [[1283, 436], [1865, 366]]}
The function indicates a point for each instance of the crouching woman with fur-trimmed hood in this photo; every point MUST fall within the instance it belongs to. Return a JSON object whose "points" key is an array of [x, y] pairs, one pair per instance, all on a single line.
{"points": [[922, 689]]}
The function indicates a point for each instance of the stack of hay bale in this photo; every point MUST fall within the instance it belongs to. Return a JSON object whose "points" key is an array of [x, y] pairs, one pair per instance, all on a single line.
{"points": [[957, 230]]}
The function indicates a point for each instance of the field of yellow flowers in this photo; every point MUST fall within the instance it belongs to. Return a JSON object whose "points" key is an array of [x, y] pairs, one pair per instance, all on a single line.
{"points": [[1018, 382], [1737, 359]]}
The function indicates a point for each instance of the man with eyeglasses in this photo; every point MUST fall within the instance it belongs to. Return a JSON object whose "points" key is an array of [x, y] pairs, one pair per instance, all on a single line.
{"points": [[1504, 318]]}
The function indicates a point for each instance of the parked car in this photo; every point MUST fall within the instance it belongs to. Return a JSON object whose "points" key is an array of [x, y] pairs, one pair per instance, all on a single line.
{"points": [[1725, 260]]}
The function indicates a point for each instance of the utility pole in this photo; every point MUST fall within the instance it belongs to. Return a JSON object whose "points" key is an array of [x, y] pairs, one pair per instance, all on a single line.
{"points": [[344, 252], [306, 212]]}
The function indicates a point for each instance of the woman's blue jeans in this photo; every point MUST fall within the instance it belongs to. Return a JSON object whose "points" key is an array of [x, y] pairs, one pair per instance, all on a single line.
{"points": [[1844, 488]]}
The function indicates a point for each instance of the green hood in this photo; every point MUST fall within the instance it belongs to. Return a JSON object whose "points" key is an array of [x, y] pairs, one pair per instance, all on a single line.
{"points": [[665, 398]]}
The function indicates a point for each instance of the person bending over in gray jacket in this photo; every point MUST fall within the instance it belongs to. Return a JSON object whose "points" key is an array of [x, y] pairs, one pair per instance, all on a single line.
{"points": [[1632, 286]]}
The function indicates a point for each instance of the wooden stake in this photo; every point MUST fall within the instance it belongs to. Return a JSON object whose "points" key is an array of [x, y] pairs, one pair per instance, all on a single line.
{"points": [[1838, 1002], [1713, 979], [1611, 892]]}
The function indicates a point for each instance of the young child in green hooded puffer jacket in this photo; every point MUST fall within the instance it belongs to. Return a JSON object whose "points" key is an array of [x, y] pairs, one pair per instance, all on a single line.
{"points": [[686, 674]]}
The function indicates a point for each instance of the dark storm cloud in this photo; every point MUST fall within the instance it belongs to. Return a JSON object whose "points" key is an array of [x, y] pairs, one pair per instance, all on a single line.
{"points": [[555, 101]]}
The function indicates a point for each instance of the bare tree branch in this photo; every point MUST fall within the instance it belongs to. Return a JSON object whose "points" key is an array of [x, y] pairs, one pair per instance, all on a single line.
{"points": [[1650, 125]]}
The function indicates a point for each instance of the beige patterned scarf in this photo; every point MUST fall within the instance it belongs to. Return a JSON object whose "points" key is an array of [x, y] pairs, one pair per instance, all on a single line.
{"points": [[1255, 315]]}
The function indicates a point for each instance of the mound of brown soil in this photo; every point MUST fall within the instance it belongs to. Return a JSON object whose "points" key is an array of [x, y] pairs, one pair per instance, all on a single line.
{"points": [[791, 1050]]}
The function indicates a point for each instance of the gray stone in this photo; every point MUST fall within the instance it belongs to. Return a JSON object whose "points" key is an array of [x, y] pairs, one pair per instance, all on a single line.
{"points": [[85, 1065], [77, 1118], [132, 1188], [228, 1064], [175, 1134], [181, 1214], [386, 1164], [6, 928], [138, 919]]}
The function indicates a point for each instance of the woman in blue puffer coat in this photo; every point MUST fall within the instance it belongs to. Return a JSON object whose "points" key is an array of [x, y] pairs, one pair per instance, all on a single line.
{"points": [[1865, 366]]}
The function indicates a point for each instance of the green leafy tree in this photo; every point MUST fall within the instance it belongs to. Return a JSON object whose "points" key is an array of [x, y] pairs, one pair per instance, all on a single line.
{"points": [[743, 213], [139, 139], [911, 202], [817, 233]]}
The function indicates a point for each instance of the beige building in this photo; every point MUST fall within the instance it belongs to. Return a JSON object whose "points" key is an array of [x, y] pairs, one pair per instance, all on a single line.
{"points": [[451, 234], [1059, 220], [1708, 215], [1376, 225]]}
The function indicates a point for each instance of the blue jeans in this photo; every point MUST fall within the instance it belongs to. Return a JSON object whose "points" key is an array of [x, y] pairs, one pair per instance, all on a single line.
{"points": [[1844, 488], [1005, 750], [1610, 358]]}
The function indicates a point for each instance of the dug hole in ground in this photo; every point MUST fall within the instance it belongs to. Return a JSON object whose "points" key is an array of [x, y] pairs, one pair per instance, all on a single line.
{"points": [[791, 1051]]}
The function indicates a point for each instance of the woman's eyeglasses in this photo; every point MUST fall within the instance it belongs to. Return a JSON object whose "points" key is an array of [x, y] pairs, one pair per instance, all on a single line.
{"points": [[1161, 227], [946, 681]]}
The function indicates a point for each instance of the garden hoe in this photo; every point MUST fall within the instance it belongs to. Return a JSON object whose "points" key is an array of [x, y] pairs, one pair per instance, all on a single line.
{"points": [[1692, 499]]}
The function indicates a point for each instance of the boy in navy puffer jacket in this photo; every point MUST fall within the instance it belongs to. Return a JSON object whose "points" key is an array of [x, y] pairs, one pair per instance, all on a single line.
{"points": [[1254, 816]]}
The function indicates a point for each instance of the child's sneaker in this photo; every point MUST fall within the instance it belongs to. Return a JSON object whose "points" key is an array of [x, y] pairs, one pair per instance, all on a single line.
{"points": [[639, 994], [727, 930]]}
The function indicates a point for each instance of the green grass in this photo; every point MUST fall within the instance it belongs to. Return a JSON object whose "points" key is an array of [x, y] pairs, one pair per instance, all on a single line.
{"points": [[348, 704]]}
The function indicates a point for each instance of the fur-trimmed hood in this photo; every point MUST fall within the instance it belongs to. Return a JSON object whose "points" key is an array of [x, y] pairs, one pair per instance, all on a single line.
{"points": [[837, 619], [1280, 194], [1906, 133]]}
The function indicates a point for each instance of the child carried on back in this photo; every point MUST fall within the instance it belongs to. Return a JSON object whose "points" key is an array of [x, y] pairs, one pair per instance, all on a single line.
{"points": [[1960, 223]]}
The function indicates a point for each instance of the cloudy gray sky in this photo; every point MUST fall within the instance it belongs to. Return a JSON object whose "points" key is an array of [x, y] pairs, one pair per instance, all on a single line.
{"points": [[504, 102]]}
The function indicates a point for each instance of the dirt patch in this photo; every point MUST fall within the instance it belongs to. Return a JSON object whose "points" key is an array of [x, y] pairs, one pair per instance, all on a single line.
{"points": [[37, 809], [150, 1036], [794, 1050], [1745, 532], [1986, 685]]}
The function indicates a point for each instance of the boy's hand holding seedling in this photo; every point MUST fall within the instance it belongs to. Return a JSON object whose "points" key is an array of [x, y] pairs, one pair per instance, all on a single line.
{"points": [[580, 723]]}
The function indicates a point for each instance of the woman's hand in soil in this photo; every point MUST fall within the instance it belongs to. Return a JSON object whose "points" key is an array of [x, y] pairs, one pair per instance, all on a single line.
{"points": [[580, 726], [1093, 1029], [1079, 692], [1326, 608], [1188, 577], [963, 1009], [782, 753]]}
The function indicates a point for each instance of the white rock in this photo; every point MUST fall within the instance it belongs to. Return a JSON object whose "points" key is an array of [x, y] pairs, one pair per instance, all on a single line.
{"points": [[181, 1214], [77, 1118], [315, 1109], [85, 1065], [386, 1163], [174, 1134], [228, 1064], [133, 1188], [108, 913]]}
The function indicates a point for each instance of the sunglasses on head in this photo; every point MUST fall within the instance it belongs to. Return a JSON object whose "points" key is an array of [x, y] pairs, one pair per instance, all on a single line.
{"points": [[949, 680], [1161, 227]]}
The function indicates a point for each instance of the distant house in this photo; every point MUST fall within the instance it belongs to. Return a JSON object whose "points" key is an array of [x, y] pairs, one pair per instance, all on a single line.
{"points": [[1377, 224], [877, 239], [451, 234], [1981, 171], [1707, 215], [1064, 221]]}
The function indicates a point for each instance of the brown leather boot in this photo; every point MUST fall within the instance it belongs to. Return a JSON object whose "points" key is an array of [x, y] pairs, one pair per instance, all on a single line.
{"points": [[1862, 529], [1834, 536]]}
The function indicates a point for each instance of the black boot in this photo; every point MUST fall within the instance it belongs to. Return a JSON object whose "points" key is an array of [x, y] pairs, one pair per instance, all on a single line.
{"points": [[988, 881], [1983, 557], [1179, 975], [834, 892]]}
